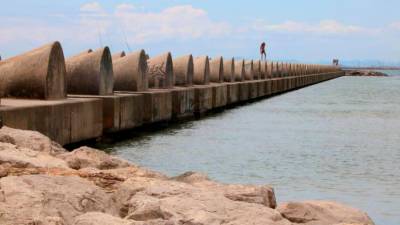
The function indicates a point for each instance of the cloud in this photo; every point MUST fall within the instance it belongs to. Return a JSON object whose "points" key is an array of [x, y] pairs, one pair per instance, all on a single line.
{"points": [[324, 27], [395, 25], [182, 22], [91, 7]]}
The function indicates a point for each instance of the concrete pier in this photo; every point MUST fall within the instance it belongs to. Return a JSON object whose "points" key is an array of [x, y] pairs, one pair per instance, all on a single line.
{"points": [[183, 93], [203, 91], [219, 90], [127, 90], [64, 121], [183, 101], [36, 82], [157, 105], [233, 93], [120, 112]]}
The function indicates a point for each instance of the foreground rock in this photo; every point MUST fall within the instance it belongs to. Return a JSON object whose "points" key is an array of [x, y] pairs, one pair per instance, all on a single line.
{"points": [[322, 213], [42, 183], [365, 73]]}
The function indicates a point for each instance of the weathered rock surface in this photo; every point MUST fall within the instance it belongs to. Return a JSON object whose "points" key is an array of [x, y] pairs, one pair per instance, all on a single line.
{"points": [[263, 195], [322, 213], [96, 218], [30, 139], [35, 199], [147, 199], [88, 157], [23, 157], [41, 183]]}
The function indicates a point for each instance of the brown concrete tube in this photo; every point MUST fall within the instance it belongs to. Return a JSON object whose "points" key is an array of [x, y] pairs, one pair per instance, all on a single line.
{"points": [[37, 74], [161, 73], [130, 72], [239, 70], [201, 74], [264, 69], [118, 55], [229, 70], [257, 69], [216, 69], [275, 69], [248, 70], [269, 70], [90, 73], [183, 70]]}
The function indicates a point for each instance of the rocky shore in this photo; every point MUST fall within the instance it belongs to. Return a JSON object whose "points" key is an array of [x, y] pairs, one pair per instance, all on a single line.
{"points": [[365, 73], [42, 183]]}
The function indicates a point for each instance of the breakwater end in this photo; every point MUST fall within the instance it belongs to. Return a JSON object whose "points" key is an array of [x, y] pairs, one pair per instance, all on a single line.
{"points": [[365, 73]]}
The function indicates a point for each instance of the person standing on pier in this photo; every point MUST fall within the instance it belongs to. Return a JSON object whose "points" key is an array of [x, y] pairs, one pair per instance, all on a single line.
{"points": [[262, 51]]}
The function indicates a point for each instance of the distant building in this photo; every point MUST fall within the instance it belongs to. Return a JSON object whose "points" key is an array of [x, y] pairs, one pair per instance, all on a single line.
{"points": [[335, 62]]}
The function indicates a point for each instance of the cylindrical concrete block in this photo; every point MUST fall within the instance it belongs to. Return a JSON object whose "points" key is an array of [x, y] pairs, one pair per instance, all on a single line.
{"points": [[264, 69], [229, 70], [285, 69], [90, 73], [201, 73], [276, 69], [183, 70], [257, 69], [269, 69], [130, 72], [282, 69], [239, 70], [118, 55], [248, 70], [216, 69], [291, 69], [37, 74], [160, 71]]}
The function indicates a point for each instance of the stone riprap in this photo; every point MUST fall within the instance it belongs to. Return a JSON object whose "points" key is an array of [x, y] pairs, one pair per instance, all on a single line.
{"points": [[42, 183]]}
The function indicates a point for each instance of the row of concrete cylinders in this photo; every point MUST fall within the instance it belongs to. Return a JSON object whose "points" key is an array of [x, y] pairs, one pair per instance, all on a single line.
{"points": [[43, 73]]}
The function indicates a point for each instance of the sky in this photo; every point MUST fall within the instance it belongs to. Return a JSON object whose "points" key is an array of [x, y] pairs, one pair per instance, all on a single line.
{"points": [[355, 31]]}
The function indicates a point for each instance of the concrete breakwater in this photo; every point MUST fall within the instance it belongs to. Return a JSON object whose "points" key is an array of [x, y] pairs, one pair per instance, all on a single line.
{"points": [[94, 92]]}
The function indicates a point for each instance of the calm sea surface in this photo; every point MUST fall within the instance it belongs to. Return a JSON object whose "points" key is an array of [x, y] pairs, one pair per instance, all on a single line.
{"points": [[338, 140]]}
